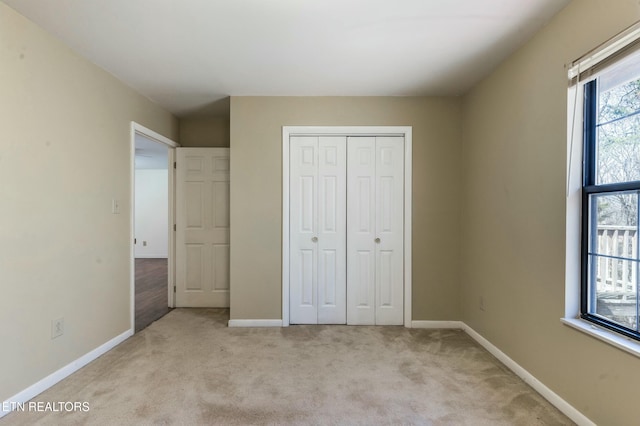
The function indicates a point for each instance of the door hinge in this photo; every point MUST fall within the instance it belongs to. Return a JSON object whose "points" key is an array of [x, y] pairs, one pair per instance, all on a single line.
{"points": [[174, 288], [174, 227], [135, 241], [175, 164]]}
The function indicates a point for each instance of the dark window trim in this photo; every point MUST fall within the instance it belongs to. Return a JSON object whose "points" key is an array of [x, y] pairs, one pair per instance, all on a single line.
{"points": [[589, 187]]}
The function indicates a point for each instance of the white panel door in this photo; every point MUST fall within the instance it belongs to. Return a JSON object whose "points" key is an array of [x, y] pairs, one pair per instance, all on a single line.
{"points": [[375, 229], [332, 230], [389, 230], [202, 227], [361, 231], [317, 230], [303, 244]]}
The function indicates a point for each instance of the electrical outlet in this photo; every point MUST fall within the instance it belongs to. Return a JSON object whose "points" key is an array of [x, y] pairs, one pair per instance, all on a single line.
{"points": [[57, 327], [481, 303]]}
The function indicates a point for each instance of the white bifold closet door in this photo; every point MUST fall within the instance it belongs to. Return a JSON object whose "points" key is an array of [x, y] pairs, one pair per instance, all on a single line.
{"points": [[318, 230], [375, 229]]}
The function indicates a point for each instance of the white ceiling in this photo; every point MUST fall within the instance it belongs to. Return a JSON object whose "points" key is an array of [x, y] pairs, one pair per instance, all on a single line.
{"points": [[188, 54], [150, 154]]}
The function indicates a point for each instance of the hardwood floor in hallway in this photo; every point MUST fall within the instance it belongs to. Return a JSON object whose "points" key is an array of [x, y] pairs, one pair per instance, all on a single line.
{"points": [[151, 291]]}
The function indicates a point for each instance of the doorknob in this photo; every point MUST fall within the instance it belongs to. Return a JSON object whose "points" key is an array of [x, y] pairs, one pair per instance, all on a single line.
{"points": [[314, 239], [377, 240]]}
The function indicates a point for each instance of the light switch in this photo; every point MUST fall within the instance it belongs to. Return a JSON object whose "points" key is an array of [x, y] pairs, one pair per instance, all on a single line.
{"points": [[115, 206]]}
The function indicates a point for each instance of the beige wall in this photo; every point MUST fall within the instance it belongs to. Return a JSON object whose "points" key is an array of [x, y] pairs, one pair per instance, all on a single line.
{"points": [[204, 132], [64, 154], [256, 194], [513, 247]]}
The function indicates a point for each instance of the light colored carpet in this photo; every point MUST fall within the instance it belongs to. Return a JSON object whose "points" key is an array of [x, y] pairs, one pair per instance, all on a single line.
{"points": [[189, 368]]}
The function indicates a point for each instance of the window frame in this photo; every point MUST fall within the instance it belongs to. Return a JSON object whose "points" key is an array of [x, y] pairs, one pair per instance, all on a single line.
{"points": [[589, 188]]}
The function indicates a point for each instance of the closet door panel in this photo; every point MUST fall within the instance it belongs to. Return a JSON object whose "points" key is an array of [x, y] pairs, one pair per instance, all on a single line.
{"points": [[389, 208], [361, 182], [332, 224], [303, 303]]}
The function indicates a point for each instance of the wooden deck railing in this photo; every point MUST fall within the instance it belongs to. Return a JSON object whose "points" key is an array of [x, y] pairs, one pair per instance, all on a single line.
{"points": [[616, 274]]}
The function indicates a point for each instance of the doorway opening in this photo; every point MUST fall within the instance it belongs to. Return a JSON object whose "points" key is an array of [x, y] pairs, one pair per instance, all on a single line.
{"points": [[152, 253]]}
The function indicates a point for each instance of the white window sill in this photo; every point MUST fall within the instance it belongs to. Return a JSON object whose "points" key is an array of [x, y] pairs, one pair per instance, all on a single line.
{"points": [[614, 339]]}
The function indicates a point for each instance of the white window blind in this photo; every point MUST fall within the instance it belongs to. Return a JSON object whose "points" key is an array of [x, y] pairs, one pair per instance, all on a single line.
{"points": [[612, 51]]}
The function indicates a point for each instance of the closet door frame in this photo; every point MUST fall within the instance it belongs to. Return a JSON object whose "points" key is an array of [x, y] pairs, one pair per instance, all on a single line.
{"points": [[287, 132]]}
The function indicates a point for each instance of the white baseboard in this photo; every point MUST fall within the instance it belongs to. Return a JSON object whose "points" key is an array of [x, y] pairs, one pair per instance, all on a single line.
{"points": [[438, 324], [255, 323], [151, 256], [528, 378], [64, 372]]}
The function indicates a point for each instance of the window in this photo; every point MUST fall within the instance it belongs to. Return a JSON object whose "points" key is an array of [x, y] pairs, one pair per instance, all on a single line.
{"points": [[610, 248]]}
